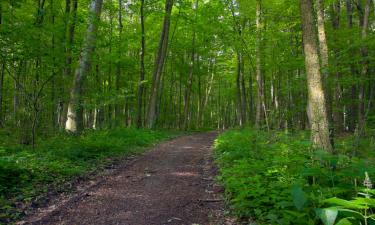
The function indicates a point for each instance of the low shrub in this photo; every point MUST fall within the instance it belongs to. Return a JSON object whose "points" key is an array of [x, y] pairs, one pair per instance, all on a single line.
{"points": [[276, 178]]}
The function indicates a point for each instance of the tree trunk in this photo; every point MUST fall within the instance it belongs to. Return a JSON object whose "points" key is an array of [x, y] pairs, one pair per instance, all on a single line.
{"points": [[316, 99], [352, 107], [324, 58], [240, 110], [260, 108], [159, 64], [364, 72], [338, 115], [119, 52], [74, 122], [142, 68], [2, 72], [70, 24], [191, 73]]}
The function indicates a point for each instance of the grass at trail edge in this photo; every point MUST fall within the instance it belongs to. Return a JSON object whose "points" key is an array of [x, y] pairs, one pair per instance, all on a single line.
{"points": [[26, 173]]}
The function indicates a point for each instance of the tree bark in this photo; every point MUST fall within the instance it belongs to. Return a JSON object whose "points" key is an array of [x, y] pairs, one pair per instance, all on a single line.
{"points": [[240, 110], [74, 122], [2, 72], [191, 73], [159, 64], [118, 64], [338, 115], [260, 107], [142, 68], [360, 129], [324, 58], [316, 98]]}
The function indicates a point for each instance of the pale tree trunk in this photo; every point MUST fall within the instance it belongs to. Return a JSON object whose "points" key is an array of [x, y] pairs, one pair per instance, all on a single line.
{"points": [[316, 99], [70, 24], [324, 56], [324, 59], [260, 107], [159, 64], [323, 47], [142, 68], [74, 122]]}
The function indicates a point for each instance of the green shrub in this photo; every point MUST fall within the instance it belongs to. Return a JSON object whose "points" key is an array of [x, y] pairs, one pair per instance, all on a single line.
{"points": [[276, 178]]}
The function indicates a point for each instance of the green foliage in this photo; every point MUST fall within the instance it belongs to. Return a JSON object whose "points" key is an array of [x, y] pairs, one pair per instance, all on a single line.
{"points": [[27, 173], [276, 178]]}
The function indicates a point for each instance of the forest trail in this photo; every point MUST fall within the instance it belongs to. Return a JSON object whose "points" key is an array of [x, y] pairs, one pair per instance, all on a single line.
{"points": [[171, 184]]}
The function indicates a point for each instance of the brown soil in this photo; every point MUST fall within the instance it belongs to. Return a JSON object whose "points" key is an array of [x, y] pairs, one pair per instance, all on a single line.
{"points": [[171, 184]]}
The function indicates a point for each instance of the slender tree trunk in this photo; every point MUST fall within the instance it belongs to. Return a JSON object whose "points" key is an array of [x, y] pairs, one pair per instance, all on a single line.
{"points": [[142, 69], [74, 123], [243, 91], [352, 107], [159, 64], [260, 108], [316, 99], [2, 72], [338, 114], [118, 66], [364, 72], [70, 25], [191, 73], [238, 91]]}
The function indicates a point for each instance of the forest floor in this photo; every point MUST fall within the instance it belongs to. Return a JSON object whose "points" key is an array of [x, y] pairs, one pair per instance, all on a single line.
{"points": [[171, 184]]}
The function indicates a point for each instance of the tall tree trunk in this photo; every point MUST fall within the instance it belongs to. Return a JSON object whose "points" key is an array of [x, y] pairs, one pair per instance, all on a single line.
{"points": [[316, 99], [364, 72], [159, 64], [118, 66], [142, 69], [191, 73], [74, 123], [70, 25], [324, 59], [323, 47], [352, 107], [260, 107], [243, 91], [238, 91], [1, 75], [2, 72], [338, 115]]}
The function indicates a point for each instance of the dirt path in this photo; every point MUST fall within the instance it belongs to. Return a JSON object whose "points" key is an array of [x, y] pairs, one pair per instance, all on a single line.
{"points": [[172, 184]]}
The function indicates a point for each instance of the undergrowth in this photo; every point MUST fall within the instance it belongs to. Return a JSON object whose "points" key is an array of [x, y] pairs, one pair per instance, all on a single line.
{"points": [[26, 173], [276, 178]]}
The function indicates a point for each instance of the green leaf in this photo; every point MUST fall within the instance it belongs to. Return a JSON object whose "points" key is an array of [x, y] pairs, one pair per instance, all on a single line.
{"points": [[345, 203], [351, 213], [344, 221], [328, 215], [299, 197]]}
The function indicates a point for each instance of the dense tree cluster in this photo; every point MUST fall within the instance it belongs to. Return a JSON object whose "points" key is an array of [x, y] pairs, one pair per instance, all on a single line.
{"points": [[187, 64]]}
